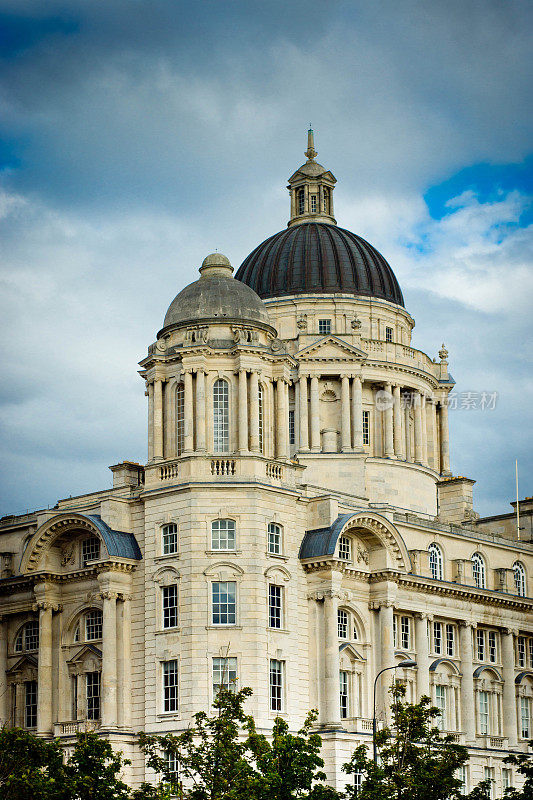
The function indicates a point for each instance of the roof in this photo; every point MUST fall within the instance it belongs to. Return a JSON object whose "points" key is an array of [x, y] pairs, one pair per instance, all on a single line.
{"points": [[118, 543], [320, 258], [323, 541]]}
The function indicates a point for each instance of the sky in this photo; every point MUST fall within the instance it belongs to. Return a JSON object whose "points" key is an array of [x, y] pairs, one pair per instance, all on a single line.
{"points": [[137, 136]]}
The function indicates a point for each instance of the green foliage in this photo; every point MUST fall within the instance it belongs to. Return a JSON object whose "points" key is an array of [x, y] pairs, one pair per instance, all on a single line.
{"points": [[524, 764], [415, 761], [30, 768], [92, 772]]}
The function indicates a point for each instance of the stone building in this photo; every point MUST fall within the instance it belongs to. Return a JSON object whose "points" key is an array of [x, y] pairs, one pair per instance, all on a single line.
{"points": [[296, 527]]}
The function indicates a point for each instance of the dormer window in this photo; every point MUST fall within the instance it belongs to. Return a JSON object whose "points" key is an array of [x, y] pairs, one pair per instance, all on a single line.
{"points": [[326, 201], [313, 201], [345, 548], [90, 550], [324, 326], [301, 201]]}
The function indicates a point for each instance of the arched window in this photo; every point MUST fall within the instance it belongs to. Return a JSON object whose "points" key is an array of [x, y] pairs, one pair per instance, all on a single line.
{"points": [[28, 637], [519, 578], [478, 571], [301, 201], [260, 418], [180, 417], [220, 416], [223, 534], [436, 562], [326, 200]]}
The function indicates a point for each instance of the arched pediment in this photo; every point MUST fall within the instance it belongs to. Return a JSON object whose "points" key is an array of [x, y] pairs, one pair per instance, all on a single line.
{"points": [[223, 570], [277, 572], [119, 544], [166, 575], [375, 531], [349, 650], [444, 661], [521, 675], [489, 671]]}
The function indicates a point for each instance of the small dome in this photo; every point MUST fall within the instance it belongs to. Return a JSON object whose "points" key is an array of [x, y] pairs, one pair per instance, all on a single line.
{"points": [[319, 258], [216, 296]]}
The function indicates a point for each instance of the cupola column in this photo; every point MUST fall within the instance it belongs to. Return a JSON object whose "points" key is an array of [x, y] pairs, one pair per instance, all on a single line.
{"points": [[346, 436], [150, 393], [332, 661], [243, 411], [282, 418], [433, 450], [200, 410], [510, 728], [254, 412], [468, 713], [389, 440], [357, 413], [423, 409], [315, 415], [418, 427], [304, 415], [188, 438], [444, 437], [109, 659], [158, 419], [397, 413]]}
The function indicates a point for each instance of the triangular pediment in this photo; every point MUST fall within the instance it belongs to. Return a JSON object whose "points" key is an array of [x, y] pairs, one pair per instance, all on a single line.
{"points": [[85, 651], [331, 348], [23, 663]]}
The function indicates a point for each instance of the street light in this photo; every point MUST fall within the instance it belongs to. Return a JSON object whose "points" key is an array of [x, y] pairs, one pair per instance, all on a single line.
{"points": [[408, 662]]}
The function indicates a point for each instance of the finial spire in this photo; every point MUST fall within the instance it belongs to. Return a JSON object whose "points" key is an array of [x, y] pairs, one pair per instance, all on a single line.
{"points": [[310, 153]]}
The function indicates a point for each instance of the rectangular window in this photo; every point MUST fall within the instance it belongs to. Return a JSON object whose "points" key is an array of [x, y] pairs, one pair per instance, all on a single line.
{"points": [[342, 623], [260, 419], [506, 779], [292, 433], [170, 539], [461, 776], [93, 625], [450, 640], [366, 427], [224, 595], [312, 198], [324, 326], [491, 639], [395, 631], [437, 638], [525, 706], [480, 645], [405, 633], [343, 678], [170, 606], [172, 768], [31, 635], [276, 684], [488, 775], [223, 534], [345, 549], [274, 538], [521, 650], [30, 704], [74, 696], [90, 550], [170, 685], [357, 782], [180, 418], [440, 702], [275, 606], [530, 642], [92, 687], [483, 712], [220, 416], [224, 674], [388, 334]]}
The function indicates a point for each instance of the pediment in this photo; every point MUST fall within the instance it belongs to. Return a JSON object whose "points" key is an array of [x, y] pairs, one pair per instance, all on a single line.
{"points": [[331, 348], [23, 663], [85, 652]]}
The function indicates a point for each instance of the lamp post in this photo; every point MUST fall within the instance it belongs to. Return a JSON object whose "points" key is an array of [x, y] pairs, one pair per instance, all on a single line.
{"points": [[408, 662]]}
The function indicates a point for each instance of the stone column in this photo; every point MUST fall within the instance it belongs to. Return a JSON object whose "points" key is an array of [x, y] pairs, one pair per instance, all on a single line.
{"points": [[468, 711], [188, 429], [315, 416], [418, 427], [254, 412], [304, 416], [397, 413], [332, 661], [270, 417], [423, 411], [200, 410], [124, 661], [346, 434], [434, 453], [109, 660], [422, 655], [282, 419], [150, 392], [44, 706], [158, 419], [510, 728], [407, 433], [357, 413], [243, 411], [388, 414], [387, 657], [444, 438], [3, 667]]}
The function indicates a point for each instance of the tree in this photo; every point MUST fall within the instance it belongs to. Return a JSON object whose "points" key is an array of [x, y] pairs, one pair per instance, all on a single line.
{"points": [[289, 764], [524, 763], [92, 771], [415, 761], [30, 768], [212, 754]]}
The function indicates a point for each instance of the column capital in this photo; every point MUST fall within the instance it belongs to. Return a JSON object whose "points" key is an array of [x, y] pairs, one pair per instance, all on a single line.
{"points": [[511, 631], [108, 595], [423, 615], [377, 605], [462, 623], [45, 605]]}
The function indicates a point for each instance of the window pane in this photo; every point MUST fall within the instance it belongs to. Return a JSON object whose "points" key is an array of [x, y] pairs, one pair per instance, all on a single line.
{"points": [[31, 635], [450, 640], [275, 610], [366, 427], [93, 625], [388, 334], [180, 418], [260, 413], [224, 602], [274, 538], [170, 606], [344, 548], [524, 717], [220, 416], [90, 550], [480, 641], [478, 571], [440, 697], [435, 562], [483, 712], [324, 326], [92, 680], [437, 637], [492, 646], [224, 674], [276, 685], [292, 434], [405, 630], [342, 620], [521, 647], [170, 539], [30, 704], [223, 534], [343, 680], [170, 685]]}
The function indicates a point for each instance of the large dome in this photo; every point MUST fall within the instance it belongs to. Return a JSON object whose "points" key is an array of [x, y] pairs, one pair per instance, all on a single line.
{"points": [[319, 258]]}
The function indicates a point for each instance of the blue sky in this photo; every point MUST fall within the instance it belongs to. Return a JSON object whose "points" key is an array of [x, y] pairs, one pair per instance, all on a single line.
{"points": [[136, 137]]}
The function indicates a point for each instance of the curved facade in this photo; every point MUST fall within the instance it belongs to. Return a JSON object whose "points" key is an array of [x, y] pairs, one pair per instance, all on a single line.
{"points": [[296, 528]]}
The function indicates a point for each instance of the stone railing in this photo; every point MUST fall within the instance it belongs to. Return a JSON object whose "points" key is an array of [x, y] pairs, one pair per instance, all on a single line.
{"points": [[75, 726], [274, 471], [494, 742], [208, 467], [222, 466], [399, 353], [168, 471]]}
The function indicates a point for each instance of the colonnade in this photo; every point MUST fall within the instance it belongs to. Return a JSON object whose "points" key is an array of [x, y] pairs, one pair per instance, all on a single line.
{"points": [[397, 405]]}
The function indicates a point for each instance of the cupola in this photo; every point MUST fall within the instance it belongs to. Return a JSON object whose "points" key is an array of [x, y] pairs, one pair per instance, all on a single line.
{"points": [[311, 189]]}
